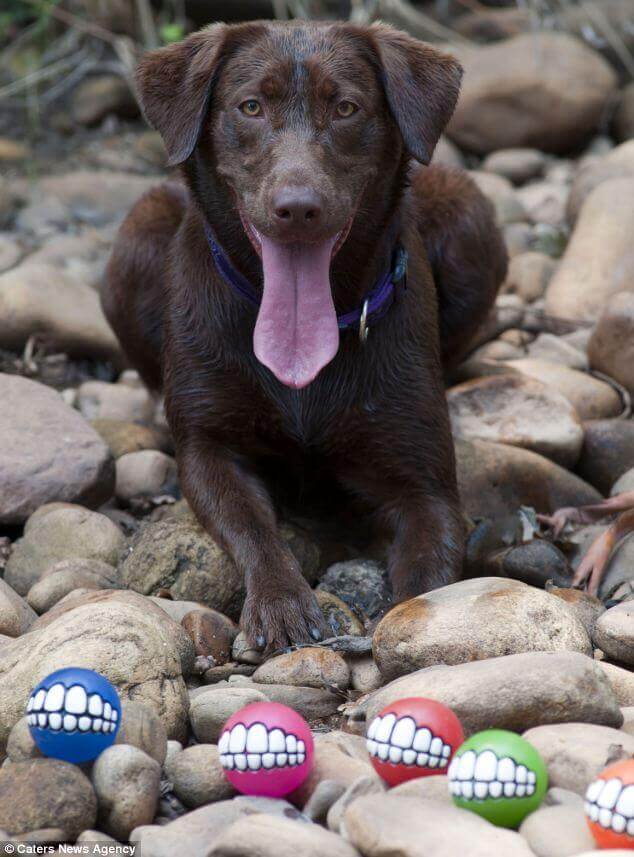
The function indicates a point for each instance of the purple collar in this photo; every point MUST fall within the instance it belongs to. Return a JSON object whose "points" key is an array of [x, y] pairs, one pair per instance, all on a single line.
{"points": [[374, 307]]}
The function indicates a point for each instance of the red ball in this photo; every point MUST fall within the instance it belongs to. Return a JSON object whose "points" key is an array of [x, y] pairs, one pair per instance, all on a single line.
{"points": [[266, 749], [609, 807], [413, 738]]}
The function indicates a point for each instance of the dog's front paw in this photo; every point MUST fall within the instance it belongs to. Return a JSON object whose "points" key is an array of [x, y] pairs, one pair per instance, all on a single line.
{"points": [[273, 620]]}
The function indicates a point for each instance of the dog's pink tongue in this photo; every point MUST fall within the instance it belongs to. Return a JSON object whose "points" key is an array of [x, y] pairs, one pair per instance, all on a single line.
{"points": [[296, 332]]}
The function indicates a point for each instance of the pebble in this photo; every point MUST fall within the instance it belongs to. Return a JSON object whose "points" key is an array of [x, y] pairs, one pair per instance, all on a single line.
{"points": [[545, 202], [617, 163], [98, 400], [365, 676], [211, 633], [20, 744], [614, 632], [339, 618], [123, 437], [607, 452], [575, 753], [126, 781], [197, 776], [49, 453], [611, 348], [529, 274], [555, 349], [67, 533], [539, 688], [45, 793], [211, 708], [16, 616], [147, 473], [517, 165], [473, 620], [272, 836], [305, 667], [311, 702], [500, 192], [326, 793], [65, 576], [339, 757], [362, 583]]}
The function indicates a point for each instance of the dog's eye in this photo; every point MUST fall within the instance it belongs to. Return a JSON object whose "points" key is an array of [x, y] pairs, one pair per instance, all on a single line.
{"points": [[251, 107], [346, 109]]}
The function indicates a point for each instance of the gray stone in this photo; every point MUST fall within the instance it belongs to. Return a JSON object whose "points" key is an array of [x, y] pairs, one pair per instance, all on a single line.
{"points": [[126, 781], [197, 776], [557, 831]]}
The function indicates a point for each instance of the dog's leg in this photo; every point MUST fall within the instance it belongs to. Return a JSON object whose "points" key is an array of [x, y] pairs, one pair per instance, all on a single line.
{"points": [[234, 506]]}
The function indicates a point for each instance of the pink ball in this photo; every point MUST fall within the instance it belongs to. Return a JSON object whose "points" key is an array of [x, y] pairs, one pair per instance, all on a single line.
{"points": [[266, 749]]}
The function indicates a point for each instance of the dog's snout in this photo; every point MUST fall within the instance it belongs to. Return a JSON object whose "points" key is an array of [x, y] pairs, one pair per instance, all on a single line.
{"points": [[297, 207]]}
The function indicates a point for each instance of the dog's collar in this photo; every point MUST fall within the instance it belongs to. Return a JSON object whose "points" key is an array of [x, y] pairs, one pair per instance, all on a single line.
{"points": [[374, 307]]}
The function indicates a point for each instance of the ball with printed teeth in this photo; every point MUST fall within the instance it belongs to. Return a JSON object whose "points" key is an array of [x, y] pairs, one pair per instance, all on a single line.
{"points": [[266, 749], [498, 775], [74, 714], [413, 738], [609, 806]]}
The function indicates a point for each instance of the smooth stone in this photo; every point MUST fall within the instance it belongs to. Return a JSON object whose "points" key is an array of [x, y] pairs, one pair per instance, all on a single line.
{"points": [[551, 96], [425, 788], [494, 479], [211, 709], [555, 349], [123, 437], [621, 682], [545, 202], [614, 632], [198, 777], [305, 667], [611, 348], [517, 165], [557, 831], [44, 793], [271, 836], [529, 274], [517, 411], [587, 607], [324, 796], [338, 616], [598, 258], [142, 727], [473, 620], [591, 398], [381, 825], [49, 453], [539, 688], [67, 533], [98, 96], [147, 473], [593, 171], [211, 633], [127, 782], [339, 757], [607, 452], [365, 676], [576, 753], [16, 616], [63, 577], [99, 400], [311, 702], [362, 583]]}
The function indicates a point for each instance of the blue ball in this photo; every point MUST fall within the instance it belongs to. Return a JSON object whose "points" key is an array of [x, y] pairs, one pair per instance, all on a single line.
{"points": [[74, 714]]}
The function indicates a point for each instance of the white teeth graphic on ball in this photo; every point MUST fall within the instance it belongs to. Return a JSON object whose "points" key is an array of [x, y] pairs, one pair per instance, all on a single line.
{"points": [[251, 748], [482, 775], [611, 804], [400, 741], [70, 710]]}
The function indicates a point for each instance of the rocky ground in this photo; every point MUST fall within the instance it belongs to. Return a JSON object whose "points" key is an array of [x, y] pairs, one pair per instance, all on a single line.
{"points": [[105, 567]]}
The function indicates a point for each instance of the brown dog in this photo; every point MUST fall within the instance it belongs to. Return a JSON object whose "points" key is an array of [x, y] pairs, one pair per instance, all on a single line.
{"points": [[247, 295]]}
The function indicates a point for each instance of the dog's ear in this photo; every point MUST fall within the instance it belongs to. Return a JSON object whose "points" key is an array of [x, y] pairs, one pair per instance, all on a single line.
{"points": [[175, 83], [421, 85]]}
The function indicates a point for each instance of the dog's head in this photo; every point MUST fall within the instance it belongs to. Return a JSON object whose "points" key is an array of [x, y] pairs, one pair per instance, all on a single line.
{"points": [[300, 119]]}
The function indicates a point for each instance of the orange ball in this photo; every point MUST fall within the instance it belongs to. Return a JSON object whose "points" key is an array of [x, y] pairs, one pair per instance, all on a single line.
{"points": [[609, 806]]}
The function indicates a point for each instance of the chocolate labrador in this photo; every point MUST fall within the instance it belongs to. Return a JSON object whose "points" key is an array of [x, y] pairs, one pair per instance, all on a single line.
{"points": [[298, 296]]}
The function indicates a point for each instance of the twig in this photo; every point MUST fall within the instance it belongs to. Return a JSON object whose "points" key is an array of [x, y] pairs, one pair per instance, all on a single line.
{"points": [[71, 20], [26, 82], [418, 23], [146, 23], [611, 35]]}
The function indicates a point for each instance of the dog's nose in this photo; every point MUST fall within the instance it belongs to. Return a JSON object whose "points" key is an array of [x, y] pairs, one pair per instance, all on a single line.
{"points": [[297, 207]]}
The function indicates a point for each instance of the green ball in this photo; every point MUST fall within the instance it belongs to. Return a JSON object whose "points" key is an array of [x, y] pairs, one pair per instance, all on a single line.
{"points": [[498, 775]]}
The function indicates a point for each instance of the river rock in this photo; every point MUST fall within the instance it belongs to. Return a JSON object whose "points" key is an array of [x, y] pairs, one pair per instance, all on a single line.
{"points": [[621, 682], [339, 618], [518, 411], [539, 688], [517, 165], [614, 632], [591, 398], [271, 836], [552, 95], [507, 206], [45, 793], [307, 667], [379, 825], [611, 348], [198, 777], [557, 831], [126, 781], [57, 304], [555, 349], [339, 757], [311, 702], [211, 708], [70, 533], [49, 453], [544, 202], [362, 583], [529, 274], [473, 620], [607, 452], [123, 437], [98, 400], [575, 753], [599, 257], [359, 788], [62, 578], [16, 616], [211, 633], [495, 479], [147, 473], [619, 163], [119, 634], [142, 727]]}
